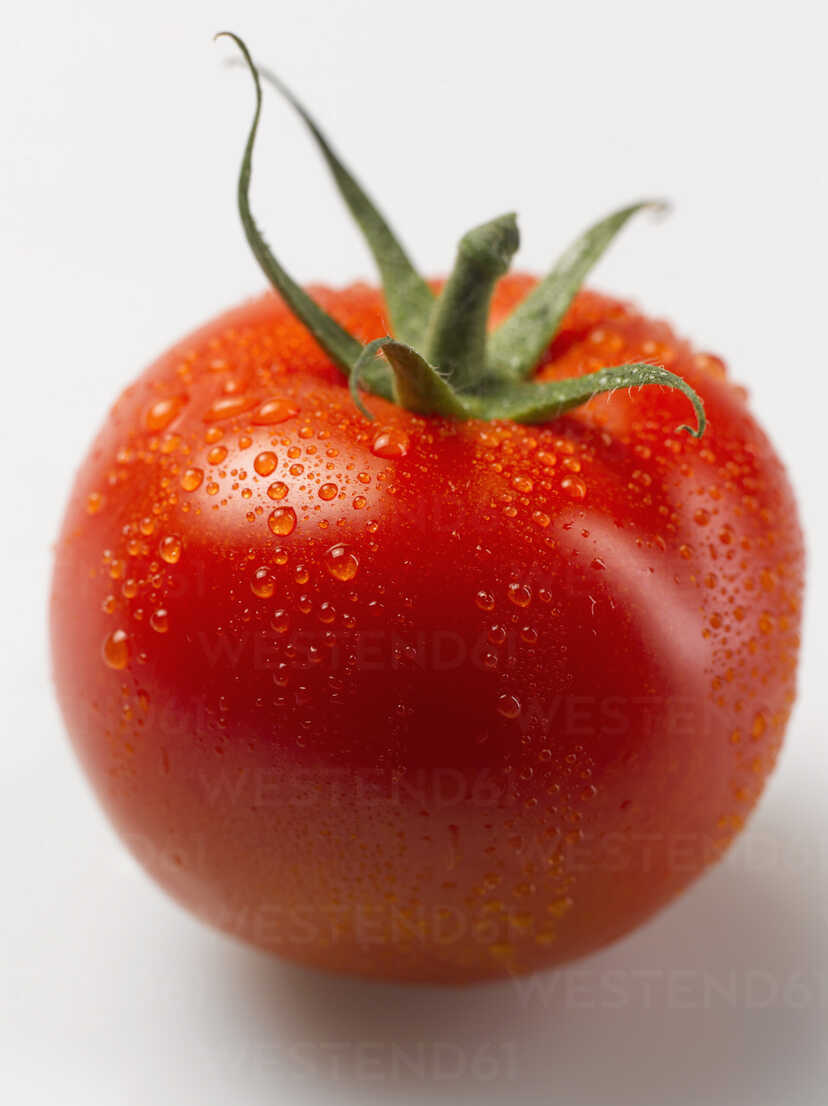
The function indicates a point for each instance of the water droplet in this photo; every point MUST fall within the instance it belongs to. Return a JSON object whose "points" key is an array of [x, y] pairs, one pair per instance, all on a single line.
{"points": [[597, 564], [170, 443], [191, 479], [212, 488], [94, 502], [262, 583], [574, 487], [116, 649], [169, 549], [146, 526], [265, 462], [541, 519], [272, 411], [217, 454], [278, 490], [341, 563], [226, 406], [701, 517], [485, 600], [360, 502], [162, 413], [282, 521], [160, 620], [508, 706], [522, 484], [280, 622], [519, 594], [389, 443], [328, 491]]}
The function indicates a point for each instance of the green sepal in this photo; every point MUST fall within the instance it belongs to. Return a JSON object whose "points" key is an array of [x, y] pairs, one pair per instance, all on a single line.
{"points": [[341, 346], [456, 339], [408, 298], [515, 347], [419, 387], [539, 401], [369, 370], [475, 379]]}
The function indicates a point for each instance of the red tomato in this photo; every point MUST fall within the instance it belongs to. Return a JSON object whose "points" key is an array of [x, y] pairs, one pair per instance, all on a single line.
{"points": [[422, 698]]}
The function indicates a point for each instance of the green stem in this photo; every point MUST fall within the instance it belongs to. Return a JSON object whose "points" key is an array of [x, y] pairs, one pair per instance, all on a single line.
{"points": [[337, 342], [516, 346], [456, 340], [408, 297], [459, 378], [419, 387]]}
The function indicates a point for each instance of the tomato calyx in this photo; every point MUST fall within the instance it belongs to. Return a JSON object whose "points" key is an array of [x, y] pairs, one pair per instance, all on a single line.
{"points": [[463, 372]]}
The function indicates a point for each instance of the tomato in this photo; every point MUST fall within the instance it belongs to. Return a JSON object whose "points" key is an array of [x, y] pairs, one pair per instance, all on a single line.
{"points": [[425, 697]]}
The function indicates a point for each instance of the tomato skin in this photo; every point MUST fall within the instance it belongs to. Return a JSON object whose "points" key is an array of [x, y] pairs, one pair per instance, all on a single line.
{"points": [[499, 694]]}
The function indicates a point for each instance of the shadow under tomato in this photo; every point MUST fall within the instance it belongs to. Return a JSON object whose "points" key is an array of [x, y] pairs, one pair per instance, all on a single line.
{"points": [[720, 998]]}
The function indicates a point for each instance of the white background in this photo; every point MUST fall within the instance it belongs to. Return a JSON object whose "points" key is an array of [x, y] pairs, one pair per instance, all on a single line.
{"points": [[120, 137]]}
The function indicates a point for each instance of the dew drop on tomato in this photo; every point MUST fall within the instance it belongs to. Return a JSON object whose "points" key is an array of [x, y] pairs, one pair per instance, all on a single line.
{"points": [[485, 600], [574, 487], [273, 411], [519, 594], [116, 650], [265, 462], [341, 563], [191, 479], [522, 484], [162, 413], [226, 406], [509, 706], [282, 521], [169, 549], [159, 620], [390, 443], [280, 622], [262, 583]]}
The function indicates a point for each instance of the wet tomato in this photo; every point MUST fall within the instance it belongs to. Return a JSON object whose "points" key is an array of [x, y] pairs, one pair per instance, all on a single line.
{"points": [[459, 678]]}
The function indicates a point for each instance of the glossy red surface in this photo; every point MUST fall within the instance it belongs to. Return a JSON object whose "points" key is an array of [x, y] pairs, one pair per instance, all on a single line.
{"points": [[417, 699]]}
